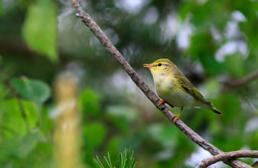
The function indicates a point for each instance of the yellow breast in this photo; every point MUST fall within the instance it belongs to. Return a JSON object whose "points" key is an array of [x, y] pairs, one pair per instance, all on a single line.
{"points": [[170, 90]]}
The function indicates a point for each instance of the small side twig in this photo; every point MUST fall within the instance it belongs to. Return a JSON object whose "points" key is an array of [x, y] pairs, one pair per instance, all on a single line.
{"points": [[246, 79], [228, 156], [20, 105]]}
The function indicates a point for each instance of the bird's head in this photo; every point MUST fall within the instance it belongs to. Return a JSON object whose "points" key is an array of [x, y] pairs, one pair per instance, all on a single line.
{"points": [[161, 66]]}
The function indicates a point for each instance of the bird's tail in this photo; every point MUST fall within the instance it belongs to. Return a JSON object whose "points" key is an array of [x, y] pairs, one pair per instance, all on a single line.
{"points": [[213, 108]]}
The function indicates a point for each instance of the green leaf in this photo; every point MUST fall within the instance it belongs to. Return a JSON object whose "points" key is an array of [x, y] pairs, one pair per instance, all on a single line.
{"points": [[235, 64], [31, 113], [163, 134], [94, 134], [211, 88], [20, 147], [40, 28], [3, 91], [115, 144], [12, 119], [90, 102], [126, 112], [253, 140], [185, 10], [211, 66], [34, 90], [16, 116], [233, 118], [1, 8], [121, 116], [28, 143], [203, 47]]}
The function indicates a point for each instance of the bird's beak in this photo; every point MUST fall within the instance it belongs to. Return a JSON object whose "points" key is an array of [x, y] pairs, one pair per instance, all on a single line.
{"points": [[148, 66]]}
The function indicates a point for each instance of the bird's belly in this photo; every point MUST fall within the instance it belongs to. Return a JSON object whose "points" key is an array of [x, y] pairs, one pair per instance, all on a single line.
{"points": [[177, 97]]}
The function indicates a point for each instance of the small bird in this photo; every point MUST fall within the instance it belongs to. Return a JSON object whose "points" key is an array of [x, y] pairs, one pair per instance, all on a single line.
{"points": [[174, 88]]}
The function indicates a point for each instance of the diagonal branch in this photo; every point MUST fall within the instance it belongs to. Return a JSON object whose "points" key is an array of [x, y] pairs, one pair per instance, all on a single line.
{"points": [[239, 82], [228, 156], [106, 42]]}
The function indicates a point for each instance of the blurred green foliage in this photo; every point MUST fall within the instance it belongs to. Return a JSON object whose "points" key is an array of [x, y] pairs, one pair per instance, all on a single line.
{"points": [[210, 41], [37, 35], [34, 90]]}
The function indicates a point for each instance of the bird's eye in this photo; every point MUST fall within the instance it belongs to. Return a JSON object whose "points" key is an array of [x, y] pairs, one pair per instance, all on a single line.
{"points": [[159, 64]]}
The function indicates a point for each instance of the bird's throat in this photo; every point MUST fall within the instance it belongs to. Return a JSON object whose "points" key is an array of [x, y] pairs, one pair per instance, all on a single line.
{"points": [[164, 82]]}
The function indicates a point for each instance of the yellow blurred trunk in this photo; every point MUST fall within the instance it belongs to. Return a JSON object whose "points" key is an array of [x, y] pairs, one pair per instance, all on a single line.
{"points": [[67, 129]]}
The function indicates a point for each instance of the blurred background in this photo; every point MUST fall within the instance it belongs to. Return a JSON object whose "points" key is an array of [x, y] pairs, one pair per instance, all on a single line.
{"points": [[65, 102]]}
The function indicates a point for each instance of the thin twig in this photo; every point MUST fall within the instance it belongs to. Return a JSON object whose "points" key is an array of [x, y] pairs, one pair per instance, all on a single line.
{"points": [[244, 80], [20, 105], [106, 42], [228, 156]]}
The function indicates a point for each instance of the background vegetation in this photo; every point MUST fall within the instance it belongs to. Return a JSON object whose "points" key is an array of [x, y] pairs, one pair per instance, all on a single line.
{"points": [[211, 41]]}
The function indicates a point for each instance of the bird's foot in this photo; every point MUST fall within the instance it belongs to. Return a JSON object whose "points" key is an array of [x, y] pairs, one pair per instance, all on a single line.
{"points": [[161, 102], [176, 117]]}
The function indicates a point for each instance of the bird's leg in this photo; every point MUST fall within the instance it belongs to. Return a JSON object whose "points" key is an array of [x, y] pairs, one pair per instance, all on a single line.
{"points": [[161, 102], [176, 117]]}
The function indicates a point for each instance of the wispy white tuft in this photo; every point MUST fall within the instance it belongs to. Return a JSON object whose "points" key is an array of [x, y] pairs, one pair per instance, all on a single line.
{"points": [[216, 34], [169, 27], [151, 16], [58, 110], [238, 16], [252, 125], [231, 47], [112, 35], [131, 6], [184, 34]]}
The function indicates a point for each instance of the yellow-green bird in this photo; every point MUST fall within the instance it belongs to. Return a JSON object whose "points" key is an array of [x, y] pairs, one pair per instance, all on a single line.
{"points": [[174, 88]]}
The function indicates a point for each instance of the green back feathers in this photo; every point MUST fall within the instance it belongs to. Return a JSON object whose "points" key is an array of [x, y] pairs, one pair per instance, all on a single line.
{"points": [[193, 91], [188, 86]]}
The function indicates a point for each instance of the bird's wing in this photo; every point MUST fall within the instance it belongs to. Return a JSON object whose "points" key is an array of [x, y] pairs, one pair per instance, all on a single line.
{"points": [[193, 91], [189, 87]]}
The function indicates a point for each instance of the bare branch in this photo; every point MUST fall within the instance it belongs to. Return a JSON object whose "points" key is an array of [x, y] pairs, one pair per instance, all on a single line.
{"points": [[105, 41], [246, 79], [228, 156]]}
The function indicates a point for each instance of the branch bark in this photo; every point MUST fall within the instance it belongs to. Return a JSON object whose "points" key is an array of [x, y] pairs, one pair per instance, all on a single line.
{"points": [[106, 42], [228, 156]]}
